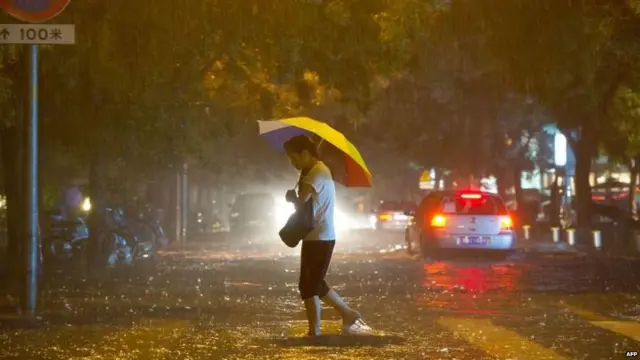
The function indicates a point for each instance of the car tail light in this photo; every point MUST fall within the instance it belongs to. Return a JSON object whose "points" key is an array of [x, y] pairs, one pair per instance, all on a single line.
{"points": [[471, 196], [506, 223], [438, 221], [385, 217]]}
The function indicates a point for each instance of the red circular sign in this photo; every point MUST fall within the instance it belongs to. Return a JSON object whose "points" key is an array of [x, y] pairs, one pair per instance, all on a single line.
{"points": [[33, 11]]}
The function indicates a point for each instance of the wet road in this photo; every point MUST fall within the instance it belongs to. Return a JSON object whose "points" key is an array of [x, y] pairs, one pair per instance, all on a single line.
{"points": [[217, 300]]}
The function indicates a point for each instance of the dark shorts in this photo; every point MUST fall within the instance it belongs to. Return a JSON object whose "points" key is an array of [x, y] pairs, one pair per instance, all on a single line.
{"points": [[314, 263]]}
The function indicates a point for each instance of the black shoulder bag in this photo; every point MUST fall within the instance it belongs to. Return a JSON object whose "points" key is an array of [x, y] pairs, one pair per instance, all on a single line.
{"points": [[300, 223]]}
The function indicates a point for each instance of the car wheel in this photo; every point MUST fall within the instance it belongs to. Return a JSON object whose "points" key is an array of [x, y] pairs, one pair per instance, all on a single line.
{"points": [[408, 243], [427, 250], [513, 255]]}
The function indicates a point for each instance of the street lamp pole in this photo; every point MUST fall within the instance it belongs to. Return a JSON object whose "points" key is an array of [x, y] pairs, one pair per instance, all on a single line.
{"points": [[184, 197], [178, 213]]}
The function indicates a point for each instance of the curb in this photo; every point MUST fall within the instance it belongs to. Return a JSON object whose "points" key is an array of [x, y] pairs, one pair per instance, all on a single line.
{"points": [[563, 248], [550, 248]]}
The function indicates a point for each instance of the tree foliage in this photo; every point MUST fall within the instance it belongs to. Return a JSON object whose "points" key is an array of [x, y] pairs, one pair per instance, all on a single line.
{"points": [[462, 82], [569, 58], [152, 85], [452, 109], [622, 141]]}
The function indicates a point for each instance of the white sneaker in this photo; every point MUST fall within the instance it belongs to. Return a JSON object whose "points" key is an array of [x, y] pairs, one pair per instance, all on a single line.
{"points": [[357, 328]]}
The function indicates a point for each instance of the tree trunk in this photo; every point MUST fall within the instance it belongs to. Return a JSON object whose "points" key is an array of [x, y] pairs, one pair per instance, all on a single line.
{"points": [[13, 176], [633, 184], [98, 108], [517, 186], [98, 190], [98, 194], [13, 157], [584, 152], [501, 182]]}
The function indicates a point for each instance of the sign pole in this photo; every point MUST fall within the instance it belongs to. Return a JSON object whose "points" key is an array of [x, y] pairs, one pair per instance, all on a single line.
{"points": [[184, 198], [34, 12], [32, 192], [178, 213]]}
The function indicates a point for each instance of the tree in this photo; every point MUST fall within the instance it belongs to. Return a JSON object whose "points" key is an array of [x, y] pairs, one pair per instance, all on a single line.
{"points": [[162, 84], [515, 147], [452, 111], [138, 73], [572, 56], [622, 136], [12, 110]]}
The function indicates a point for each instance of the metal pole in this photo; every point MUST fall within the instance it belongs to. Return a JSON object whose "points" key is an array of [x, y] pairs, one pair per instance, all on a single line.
{"points": [[31, 297], [571, 236], [555, 232], [178, 210], [185, 202], [597, 239]]}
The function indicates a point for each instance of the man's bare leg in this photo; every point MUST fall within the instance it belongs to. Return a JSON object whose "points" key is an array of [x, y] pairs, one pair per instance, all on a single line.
{"points": [[352, 323], [314, 310], [349, 316]]}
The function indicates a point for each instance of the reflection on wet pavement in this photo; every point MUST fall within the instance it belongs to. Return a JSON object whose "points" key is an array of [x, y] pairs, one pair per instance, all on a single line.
{"points": [[221, 300], [474, 289]]}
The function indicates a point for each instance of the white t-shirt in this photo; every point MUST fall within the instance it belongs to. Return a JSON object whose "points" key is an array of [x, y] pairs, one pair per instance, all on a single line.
{"points": [[324, 200]]}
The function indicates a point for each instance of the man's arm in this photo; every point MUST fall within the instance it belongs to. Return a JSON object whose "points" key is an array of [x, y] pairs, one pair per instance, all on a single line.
{"points": [[304, 194]]}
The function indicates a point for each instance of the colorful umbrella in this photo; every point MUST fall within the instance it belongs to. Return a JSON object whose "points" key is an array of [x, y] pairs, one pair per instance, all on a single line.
{"points": [[338, 153]]}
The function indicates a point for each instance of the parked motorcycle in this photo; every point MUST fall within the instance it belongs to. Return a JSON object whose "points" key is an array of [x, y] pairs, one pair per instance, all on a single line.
{"points": [[152, 219], [66, 239], [128, 241]]}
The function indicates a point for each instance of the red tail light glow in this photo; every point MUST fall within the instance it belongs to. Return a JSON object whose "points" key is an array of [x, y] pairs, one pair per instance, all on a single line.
{"points": [[438, 221], [506, 223], [471, 196]]}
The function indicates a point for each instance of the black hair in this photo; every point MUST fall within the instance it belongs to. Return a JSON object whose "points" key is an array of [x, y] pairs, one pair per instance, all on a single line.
{"points": [[300, 143]]}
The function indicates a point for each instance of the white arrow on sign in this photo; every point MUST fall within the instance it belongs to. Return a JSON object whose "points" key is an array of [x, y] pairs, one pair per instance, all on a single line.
{"points": [[37, 34]]}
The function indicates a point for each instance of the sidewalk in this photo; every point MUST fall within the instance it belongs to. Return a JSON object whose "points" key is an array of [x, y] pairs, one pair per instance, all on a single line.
{"points": [[547, 246]]}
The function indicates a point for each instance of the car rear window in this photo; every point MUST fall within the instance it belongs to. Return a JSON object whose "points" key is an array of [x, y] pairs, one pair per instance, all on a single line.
{"points": [[396, 206], [487, 205]]}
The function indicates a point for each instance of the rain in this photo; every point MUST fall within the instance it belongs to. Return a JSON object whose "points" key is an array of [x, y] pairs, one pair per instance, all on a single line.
{"points": [[177, 179]]}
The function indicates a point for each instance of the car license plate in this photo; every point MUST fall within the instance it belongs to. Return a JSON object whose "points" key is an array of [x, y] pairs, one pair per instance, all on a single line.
{"points": [[474, 240], [254, 222]]}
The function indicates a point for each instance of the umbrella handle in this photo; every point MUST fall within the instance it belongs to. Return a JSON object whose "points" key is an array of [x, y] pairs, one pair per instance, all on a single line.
{"points": [[319, 145]]}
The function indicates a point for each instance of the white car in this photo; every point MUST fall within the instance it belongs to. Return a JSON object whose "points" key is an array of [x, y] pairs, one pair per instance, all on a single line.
{"points": [[460, 220], [392, 215]]}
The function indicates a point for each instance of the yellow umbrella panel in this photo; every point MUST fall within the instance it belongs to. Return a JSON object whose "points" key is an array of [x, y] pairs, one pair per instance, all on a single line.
{"points": [[340, 155]]}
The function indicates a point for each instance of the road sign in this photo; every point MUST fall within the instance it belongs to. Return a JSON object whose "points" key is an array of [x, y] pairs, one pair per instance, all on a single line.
{"points": [[33, 11], [37, 34], [426, 185], [425, 176], [426, 181]]}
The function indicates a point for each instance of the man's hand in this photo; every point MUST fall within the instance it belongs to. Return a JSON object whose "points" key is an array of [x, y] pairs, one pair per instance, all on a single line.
{"points": [[291, 196]]}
